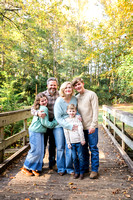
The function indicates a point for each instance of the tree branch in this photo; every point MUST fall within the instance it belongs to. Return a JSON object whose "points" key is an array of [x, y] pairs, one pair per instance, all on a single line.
{"points": [[9, 20]]}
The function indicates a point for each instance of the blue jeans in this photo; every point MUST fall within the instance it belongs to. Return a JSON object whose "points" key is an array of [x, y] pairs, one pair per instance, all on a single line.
{"points": [[77, 156], [92, 141], [49, 136], [64, 155], [34, 158]]}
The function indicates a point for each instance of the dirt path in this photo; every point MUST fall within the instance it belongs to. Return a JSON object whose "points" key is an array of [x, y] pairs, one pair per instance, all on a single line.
{"points": [[114, 183]]}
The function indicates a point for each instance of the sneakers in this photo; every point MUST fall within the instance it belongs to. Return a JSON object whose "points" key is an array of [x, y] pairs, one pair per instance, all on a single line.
{"points": [[26, 172], [36, 173], [93, 175]]}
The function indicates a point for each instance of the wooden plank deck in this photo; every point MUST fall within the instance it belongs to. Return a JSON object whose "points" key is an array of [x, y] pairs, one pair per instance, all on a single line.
{"points": [[115, 181]]}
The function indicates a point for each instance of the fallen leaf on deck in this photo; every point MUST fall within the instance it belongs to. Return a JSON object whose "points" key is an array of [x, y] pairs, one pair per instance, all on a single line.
{"points": [[70, 183], [130, 178], [53, 181], [73, 187], [127, 195], [11, 177]]}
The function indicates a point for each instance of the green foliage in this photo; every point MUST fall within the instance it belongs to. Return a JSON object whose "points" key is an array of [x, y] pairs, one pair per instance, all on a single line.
{"points": [[42, 39], [8, 98], [13, 129], [125, 78], [14, 94], [103, 93]]}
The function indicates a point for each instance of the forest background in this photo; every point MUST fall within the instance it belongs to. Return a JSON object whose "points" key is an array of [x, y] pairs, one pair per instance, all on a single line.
{"points": [[44, 38]]}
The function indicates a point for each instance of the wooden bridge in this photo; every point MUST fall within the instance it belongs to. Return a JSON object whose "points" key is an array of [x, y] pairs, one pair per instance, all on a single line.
{"points": [[115, 173]]}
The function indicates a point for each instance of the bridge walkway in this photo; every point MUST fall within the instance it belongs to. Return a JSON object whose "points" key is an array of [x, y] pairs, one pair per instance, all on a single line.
{"points": [[115, 181]]}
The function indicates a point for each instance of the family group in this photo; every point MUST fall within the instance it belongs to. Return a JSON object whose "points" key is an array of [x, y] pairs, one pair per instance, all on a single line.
{"points": [[69, 124]]}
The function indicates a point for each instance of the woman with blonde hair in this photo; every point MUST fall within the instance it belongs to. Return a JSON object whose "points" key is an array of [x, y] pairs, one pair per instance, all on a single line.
{"points": [[64, 155]]}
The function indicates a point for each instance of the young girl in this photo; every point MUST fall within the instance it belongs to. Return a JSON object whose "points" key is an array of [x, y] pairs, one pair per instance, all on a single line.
{"points": [[34, 160]]}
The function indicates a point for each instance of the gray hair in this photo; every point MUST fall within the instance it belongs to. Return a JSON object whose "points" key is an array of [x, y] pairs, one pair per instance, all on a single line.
{"points": [[52, 79]]}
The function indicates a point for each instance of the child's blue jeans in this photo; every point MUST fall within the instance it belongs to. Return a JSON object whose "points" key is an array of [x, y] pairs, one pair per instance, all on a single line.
{"points": [[77, 155]]}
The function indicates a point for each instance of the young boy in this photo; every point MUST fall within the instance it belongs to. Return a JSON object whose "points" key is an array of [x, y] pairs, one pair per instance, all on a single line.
{"points": [[75, 140]]}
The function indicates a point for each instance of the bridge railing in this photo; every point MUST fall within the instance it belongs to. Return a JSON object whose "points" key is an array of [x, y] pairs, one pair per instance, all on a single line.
{"points": [[110, 118], [9, 118]]}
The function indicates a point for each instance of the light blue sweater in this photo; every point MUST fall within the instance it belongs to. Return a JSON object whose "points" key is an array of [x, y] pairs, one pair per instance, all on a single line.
{"points": [[60, 113], [40, 125]]}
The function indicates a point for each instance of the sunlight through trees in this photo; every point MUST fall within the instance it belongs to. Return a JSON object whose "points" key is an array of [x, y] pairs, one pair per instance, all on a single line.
{"points": [[54, 38]]}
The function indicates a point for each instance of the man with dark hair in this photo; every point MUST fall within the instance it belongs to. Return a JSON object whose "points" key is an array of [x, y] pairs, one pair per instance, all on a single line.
{"points": [[52, 95], [88, 108]]}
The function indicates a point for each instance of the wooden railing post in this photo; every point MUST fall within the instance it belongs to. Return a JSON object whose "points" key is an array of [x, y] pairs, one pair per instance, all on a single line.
{"points": [[1, 140], [105, 116], [123, 130]]}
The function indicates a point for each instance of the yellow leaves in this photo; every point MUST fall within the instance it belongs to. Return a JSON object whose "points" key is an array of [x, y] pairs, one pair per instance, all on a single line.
{"points": [[118, 12], [90, 56], [70, 183], [72, 186], [2, 99], [126, 194], [87, 60]]}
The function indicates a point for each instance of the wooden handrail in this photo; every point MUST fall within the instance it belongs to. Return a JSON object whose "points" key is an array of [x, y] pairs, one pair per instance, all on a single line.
{"points": [[125, 118], [7, 118]]}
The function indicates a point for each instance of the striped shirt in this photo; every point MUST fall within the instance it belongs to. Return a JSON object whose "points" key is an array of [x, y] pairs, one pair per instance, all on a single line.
{"points": [[51, 102]]}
